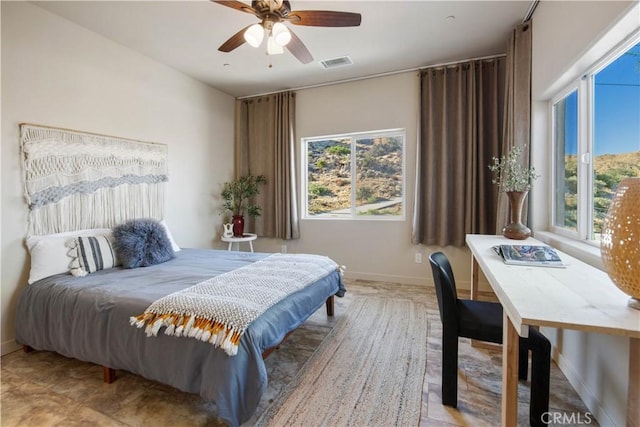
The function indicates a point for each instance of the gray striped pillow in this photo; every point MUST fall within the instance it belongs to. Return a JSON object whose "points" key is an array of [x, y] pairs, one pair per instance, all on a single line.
{"points": [[91, 253]]}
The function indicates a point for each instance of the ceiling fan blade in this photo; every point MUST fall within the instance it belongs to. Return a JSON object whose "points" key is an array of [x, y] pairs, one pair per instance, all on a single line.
{"points": [[234, 41], [237, 5], [298, 49], [324, 18]]}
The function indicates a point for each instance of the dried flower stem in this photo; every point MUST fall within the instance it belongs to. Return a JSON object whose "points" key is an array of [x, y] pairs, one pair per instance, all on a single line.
{"points": [[509, 173]]}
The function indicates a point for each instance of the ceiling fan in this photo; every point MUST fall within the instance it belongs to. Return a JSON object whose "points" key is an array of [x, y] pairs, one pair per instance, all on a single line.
{"points": [[272, 15]]}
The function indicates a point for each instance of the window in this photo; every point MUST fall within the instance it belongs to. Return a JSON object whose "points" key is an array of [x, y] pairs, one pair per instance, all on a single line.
{"points": [[565, 114], [354, 176], [596, 140]]}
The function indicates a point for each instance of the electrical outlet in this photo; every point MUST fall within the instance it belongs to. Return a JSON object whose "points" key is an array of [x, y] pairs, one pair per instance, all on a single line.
{"points": [[418, 258], [283, 249]]}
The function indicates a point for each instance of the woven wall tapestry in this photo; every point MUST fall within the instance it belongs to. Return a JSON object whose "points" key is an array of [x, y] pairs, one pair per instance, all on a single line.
{"points": [[76, 180]]}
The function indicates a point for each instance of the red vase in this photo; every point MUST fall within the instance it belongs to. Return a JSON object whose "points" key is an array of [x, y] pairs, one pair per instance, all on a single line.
{"points": [[238, 225]]}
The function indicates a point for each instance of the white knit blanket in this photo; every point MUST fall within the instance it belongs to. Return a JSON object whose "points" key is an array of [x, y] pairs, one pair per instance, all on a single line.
{"points": [[219, 310]]}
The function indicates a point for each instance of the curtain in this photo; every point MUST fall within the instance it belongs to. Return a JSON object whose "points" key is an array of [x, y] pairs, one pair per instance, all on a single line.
{"points": [[265, 146], [460, 130], [517, 107]]}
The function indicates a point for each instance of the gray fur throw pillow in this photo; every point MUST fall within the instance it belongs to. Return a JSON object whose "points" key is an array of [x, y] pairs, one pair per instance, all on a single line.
{"points": [[141, 243]]}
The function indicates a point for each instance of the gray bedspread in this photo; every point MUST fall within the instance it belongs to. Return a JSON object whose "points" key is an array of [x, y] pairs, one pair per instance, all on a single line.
{"points": [[87, 318]]}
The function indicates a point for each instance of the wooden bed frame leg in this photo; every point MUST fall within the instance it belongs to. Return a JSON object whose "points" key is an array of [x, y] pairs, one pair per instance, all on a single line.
{"points": [[330, 305], [108, 375]]}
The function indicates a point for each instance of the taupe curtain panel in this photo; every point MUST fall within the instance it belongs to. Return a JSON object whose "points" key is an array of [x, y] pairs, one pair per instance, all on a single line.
{"points": [[265, 145], [517, 106], [461, 124]]}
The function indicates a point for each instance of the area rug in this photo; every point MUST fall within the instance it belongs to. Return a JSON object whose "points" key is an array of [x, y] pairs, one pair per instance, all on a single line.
{"points": [[368, 371]]}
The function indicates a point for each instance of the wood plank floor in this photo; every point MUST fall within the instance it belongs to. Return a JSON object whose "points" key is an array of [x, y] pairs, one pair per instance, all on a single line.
{"points": [[45, 389]]}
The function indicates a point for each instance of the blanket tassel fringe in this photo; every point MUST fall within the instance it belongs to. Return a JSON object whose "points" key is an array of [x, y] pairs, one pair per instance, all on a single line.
{"points": [[186, 325]]}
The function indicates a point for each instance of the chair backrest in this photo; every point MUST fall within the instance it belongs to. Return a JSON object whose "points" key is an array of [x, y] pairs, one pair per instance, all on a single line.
{"points": [[445, 287]]}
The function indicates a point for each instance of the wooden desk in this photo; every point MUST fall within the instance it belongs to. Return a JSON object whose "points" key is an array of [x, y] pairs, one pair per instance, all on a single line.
{"points": [[578, 297]]}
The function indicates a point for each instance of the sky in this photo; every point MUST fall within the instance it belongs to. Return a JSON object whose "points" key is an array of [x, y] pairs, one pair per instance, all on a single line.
{"points": [[617, 105], [616, 108]]}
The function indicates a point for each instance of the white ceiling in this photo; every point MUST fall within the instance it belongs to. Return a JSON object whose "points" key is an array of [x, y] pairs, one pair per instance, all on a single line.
{"points": [[394, 35]]}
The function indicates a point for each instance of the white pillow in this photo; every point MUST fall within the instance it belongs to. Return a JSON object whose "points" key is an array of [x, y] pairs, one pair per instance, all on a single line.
{"points": [[49, 253], [174, 245]]}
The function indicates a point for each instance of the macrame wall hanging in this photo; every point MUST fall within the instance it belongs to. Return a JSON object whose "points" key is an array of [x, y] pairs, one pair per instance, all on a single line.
{"points": [[77, 180]]}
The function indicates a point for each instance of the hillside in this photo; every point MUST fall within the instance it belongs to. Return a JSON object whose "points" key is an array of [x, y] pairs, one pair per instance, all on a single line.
{"points": [[378, 176], [609, 170], [606, 163]]}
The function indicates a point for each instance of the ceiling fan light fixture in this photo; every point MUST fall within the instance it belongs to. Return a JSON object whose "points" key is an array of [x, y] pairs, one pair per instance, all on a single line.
{"points": [[254, 35], [281, 34], [273, 14]]}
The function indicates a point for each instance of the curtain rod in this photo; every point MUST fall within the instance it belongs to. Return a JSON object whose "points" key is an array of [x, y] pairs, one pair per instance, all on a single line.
{"points": [[372, 76], [532, 8]]}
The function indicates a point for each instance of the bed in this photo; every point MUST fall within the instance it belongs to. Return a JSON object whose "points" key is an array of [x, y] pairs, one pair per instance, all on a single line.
{"points": [[81, 301], [88, 318]]}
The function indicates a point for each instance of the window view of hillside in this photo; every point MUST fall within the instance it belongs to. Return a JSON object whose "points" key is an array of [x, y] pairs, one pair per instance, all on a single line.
{"points": [[616, 140], [566, 139], [615, 149], [359, 175], [609, 170]]}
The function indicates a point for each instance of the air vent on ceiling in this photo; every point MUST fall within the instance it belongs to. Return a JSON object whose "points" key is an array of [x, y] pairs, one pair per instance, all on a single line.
{"points": [[336, 62]]}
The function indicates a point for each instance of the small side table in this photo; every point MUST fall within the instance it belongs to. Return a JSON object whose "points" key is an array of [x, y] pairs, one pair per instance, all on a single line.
{"points": [[246, 237]]}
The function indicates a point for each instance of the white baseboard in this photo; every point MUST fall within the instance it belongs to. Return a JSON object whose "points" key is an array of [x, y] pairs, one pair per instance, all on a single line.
{"points": [[409, 280], [587, 396], [462, 285], [9, 347]]}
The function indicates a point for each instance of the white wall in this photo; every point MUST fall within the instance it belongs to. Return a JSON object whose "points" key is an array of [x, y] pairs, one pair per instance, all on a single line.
{"points": [[59, 74], [567, 38], [370, 249]]}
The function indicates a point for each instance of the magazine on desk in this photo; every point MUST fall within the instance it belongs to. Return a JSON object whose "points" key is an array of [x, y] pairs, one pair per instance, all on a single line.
{"points": [[543, 256]]}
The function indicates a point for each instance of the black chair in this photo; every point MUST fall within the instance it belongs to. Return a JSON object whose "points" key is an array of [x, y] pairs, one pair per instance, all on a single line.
{"points": [[482, 320]]}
